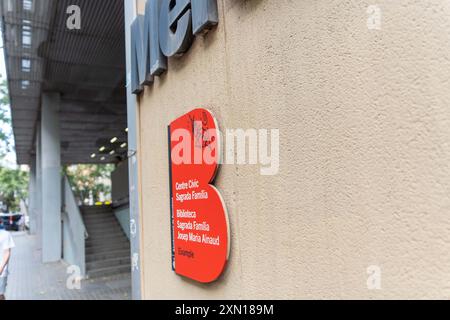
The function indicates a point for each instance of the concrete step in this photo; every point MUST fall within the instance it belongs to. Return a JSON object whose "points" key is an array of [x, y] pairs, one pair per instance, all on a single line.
{"points": [[104, 217], [100, 218], [105, 243], [109, 271], [102, 229], [118, 233], [101, 224], [102, 244], [95, 208], [97, 215], [107, 236], [107, 248], [99, 249], [105, 232], [99, 233], [114, 262], [108, 255]]}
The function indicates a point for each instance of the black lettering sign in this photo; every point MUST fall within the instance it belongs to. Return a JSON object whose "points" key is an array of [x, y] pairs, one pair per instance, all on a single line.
{"points": [[167, 29], [175, 27]]}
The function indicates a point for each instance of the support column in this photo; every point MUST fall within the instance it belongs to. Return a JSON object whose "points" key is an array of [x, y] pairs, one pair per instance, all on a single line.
{"points": [[132, 110], [51, 178], [32, 196], [38, 187]]}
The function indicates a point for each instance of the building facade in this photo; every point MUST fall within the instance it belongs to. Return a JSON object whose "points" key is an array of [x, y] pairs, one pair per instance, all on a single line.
{"points": [[358, 208], [346, 191]]}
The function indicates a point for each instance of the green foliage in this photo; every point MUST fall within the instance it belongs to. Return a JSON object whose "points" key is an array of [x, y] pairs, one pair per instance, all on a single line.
{"points": [[90, 180], [5, 119], [13, 182], [13, 187]]}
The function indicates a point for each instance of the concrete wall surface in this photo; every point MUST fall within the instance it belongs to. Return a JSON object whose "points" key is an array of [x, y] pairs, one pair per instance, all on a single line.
{"points": [[364, 175], [119, 183], [123, 217]]}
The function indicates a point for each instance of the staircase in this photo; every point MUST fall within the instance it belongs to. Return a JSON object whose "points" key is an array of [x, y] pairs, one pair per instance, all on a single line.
{"points": [[107, 247]]}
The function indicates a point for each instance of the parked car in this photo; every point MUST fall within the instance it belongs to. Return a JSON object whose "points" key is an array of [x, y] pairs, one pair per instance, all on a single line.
{"points": [[12, 221], [27, 222]]}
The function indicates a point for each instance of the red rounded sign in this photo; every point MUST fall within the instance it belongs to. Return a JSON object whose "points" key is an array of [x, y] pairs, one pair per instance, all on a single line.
{"points": [[200, 228]]}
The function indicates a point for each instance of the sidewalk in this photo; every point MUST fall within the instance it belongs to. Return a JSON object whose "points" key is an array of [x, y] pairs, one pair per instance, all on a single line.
{"points": [[31, 280]]}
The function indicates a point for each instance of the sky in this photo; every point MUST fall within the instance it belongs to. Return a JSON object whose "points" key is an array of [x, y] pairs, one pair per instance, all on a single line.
{"points": [[10, 160]]}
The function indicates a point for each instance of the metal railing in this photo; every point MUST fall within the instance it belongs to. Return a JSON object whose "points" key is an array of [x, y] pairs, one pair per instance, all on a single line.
{"points": [[74, 230]]}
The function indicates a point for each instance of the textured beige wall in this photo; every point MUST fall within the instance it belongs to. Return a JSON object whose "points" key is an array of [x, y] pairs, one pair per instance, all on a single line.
{"points": [[365, 149]]}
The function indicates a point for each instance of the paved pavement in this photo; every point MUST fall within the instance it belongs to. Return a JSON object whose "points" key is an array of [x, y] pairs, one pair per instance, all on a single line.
{"points": [[31, 280]]}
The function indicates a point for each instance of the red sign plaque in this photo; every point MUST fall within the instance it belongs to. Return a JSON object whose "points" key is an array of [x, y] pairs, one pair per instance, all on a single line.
{"points": [[200, 227]]}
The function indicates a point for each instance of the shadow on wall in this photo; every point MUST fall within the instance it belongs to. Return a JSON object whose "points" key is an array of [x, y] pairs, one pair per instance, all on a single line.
{"points": [[245, 6]]}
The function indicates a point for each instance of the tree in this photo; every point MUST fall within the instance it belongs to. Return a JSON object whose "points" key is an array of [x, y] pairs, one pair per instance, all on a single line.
{"points": [[5, 120], [90, 181], [13, 187], [13, 181]]}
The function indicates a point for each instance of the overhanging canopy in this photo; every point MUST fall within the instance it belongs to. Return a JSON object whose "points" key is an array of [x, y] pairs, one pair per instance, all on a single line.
{"points": [[86, 66]]}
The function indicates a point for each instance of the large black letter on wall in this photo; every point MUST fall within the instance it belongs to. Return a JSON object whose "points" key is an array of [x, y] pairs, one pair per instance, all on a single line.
{"points": [[204, 15], [158, 62], [138, 67], [166, 30], [147, 59], [175, 27]]}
